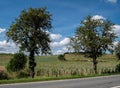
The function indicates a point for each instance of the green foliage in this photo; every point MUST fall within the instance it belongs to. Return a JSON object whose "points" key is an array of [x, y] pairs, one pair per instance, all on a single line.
{"points": [[118, 68], [117, 50], [22, 74], [3, 75], [61, 57], [49, 66], [75, 44], [95, 37], [17, 63], [31, 31]]}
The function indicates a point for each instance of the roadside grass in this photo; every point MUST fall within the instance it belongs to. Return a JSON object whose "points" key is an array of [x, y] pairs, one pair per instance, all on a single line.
{"points": [[76, 66], [39, 79]]}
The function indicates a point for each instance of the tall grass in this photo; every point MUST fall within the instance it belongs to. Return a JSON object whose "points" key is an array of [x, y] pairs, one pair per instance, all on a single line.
{"points": [[50, 66], [80, 66], [71, 68]]}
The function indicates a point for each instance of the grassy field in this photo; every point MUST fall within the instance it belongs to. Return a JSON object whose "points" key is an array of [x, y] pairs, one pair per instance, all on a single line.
{"points": [[4, 59], [50, 66], [75, 65]]}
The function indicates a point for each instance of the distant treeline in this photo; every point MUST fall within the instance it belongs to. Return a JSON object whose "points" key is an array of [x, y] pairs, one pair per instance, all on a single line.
{"points": [[81, 53]]}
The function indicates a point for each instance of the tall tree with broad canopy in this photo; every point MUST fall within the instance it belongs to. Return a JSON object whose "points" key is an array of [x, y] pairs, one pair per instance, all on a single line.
{"points": [[95, 37], [30, 31]]}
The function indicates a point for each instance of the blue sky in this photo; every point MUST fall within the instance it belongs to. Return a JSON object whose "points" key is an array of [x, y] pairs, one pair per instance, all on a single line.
{"points": [[66, 15]]}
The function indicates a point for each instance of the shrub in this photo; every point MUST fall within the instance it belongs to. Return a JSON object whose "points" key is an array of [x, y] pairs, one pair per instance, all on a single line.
{"points": [[117, 69], [17, 63], [3, 75], [61, 58], [22, 74]]}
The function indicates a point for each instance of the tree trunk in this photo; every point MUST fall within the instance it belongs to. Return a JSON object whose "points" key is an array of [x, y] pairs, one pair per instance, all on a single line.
{"points": [[95, 65], [32, 64]]}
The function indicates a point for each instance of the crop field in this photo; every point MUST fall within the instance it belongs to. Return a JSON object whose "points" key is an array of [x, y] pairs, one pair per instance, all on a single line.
{"points": [[4, 59], [50, 66], [75, 65]]}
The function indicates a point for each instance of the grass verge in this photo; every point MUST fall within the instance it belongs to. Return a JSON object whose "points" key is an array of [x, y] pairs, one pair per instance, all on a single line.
{"points": [[24, 80]]}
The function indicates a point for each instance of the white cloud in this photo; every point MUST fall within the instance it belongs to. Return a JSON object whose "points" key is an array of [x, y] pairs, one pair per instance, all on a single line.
{"points": [[112, 1], [116, 29], [8, 47], [55, 36], [115, 43], [2, 30], [63, 42], [60, 47], [97, 17], [61, 51]]}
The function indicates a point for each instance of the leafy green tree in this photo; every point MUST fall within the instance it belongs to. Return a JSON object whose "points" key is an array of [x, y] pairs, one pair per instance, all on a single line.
{"points": [[95, 37], [17, 63], [30, 31], [117, 50]]}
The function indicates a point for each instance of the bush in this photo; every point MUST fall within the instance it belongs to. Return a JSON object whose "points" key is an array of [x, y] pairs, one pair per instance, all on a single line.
{"points": [[3, 75], [117, 69], [17, 63], [22, 74], [61, 58]]}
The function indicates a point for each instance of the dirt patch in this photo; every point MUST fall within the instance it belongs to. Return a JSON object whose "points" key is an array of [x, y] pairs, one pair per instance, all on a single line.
{"points": [[2, 68]]}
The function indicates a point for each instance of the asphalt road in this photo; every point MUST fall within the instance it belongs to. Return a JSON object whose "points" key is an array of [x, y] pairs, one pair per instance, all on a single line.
{"points": [[97, 82]]}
